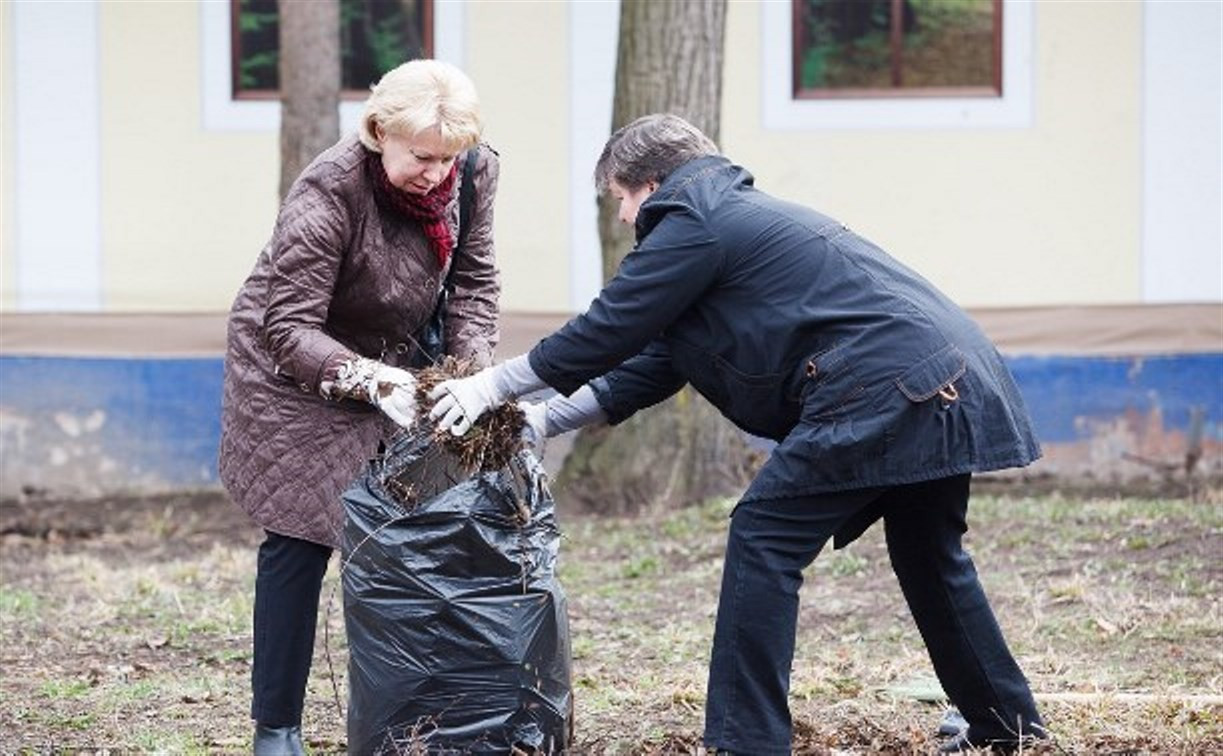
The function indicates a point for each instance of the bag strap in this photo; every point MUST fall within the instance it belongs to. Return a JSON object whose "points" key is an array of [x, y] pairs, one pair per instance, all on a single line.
{"points": [[467, 202]]}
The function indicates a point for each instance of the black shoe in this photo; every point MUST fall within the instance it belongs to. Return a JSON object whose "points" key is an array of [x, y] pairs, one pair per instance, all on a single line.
{"points": [[952, 723], [963, 743], [278, 741]]}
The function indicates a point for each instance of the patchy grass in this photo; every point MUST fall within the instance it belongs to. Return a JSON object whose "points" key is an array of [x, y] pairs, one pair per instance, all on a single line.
{"points": [[125, 625]]}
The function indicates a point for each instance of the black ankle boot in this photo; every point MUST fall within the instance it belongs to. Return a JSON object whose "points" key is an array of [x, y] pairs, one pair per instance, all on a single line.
{"points": [[952, 723], [278, 741]]}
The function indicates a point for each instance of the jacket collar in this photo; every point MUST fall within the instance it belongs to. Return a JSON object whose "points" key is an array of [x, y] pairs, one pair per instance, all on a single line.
{"points": [[676, 190]]}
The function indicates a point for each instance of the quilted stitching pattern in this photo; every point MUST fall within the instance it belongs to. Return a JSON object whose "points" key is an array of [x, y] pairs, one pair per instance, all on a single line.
{"points": [[286, 453]]}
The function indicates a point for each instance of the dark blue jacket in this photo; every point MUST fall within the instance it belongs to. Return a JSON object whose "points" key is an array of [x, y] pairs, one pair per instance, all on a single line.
{"points": [[798, 330]]}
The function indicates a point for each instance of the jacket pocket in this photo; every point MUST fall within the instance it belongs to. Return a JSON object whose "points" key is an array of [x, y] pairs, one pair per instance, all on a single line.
{"points": [[823, 366], [934, 374], [734, 376], [749, 394], [829, 388]]}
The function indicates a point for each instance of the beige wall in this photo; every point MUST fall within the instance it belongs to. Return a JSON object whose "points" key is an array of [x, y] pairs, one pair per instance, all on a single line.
{"points": [[518, 54], [1036, 216], [184, 211], [1024, 216], [7, 231]]}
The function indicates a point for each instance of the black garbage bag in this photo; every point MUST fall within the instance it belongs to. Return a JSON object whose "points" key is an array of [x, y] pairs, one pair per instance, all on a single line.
{"points": [[457, 627]]}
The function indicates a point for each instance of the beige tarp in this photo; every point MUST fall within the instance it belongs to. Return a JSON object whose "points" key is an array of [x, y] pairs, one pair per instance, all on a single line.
{"points": [[1081, 330]]}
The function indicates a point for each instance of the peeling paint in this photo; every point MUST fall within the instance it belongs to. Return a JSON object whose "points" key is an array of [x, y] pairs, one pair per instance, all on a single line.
{"points": [[94, 422], [67, 423], [13, 429], [76, 426], [91, 426], [1135, 369]]}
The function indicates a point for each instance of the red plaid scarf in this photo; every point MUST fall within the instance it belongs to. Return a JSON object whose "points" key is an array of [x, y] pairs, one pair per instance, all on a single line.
{"points": [[429, 209]]}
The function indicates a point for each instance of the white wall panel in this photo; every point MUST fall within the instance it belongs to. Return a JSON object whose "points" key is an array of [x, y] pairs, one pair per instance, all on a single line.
{"points": [[593, 33], [57, 177], [1182, 120]]}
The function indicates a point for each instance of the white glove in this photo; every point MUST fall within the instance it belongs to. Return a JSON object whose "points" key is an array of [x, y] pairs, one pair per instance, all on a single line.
{"points": [[535, 432], [459, 402], [388, 388], [393, 391]]}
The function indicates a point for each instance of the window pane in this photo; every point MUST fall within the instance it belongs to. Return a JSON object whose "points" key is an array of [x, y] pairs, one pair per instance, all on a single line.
{"points": [[375, 36], [857, 44], [259, 45]]}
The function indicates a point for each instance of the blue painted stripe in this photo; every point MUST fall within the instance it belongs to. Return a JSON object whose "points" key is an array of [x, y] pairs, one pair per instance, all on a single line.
{"points": [[1061, 392], [158, 420]]}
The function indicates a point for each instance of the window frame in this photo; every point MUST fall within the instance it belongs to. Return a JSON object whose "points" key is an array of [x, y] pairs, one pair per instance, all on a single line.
{"points": [[1015, 109], [798, 92], [219, 112], [237, 93]]}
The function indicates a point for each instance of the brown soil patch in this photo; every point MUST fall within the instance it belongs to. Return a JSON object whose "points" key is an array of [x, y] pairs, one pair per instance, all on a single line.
{"points": [[126, 626]]}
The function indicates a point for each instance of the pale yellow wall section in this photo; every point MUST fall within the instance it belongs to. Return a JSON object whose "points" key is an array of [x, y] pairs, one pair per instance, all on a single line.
{"points": [[518, 55], [8, 233], [184, 211], [1034, 216]]}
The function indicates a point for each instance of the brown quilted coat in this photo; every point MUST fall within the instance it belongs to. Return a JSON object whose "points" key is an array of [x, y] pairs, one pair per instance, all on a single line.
{"points": [[342, 275]]}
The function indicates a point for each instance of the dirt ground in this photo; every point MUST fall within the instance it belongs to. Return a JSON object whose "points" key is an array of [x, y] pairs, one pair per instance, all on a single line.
{"points": [[126, 628]]}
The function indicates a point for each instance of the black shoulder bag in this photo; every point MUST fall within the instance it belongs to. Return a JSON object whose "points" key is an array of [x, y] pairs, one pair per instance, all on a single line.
{"points": [[431, 341]]}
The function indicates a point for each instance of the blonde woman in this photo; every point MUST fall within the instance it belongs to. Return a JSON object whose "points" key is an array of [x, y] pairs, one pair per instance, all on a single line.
{"points": [[320, 335]]}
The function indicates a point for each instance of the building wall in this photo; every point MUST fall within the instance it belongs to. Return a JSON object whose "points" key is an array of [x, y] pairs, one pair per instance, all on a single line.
{"points": [[8, 233], [517, 55], [92, 418], [1182, 148], [186, 190], [987, 212], [1078, 217], [1051, 205], [185, 210]]}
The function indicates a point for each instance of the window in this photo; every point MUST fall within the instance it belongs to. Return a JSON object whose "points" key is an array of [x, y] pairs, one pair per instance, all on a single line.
{"points": [[375, 36], [897, 48]]}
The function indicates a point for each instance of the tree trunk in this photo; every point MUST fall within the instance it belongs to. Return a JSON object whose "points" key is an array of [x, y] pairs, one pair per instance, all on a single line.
{"points": [[309, 83], [669, 60], [682, 451]]}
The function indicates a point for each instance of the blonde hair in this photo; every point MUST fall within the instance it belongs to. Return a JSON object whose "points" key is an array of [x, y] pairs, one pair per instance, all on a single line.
{"points": [[420, 95]]}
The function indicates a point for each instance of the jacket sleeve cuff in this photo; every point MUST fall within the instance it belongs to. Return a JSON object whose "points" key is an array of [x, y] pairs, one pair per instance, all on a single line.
{"points": [[565, 384], [515, 378], [567, 413], [603, 394]]}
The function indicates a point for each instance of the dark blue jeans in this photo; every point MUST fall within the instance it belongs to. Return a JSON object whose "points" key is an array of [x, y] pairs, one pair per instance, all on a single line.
{"points": [[769, 544], [287, 585]]}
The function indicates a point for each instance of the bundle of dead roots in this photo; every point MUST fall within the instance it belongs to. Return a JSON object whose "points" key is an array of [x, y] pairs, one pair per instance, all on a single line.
{"points": [[492, 441]]}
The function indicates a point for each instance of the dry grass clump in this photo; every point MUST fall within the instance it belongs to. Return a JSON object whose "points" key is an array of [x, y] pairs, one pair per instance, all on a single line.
{"points": [[492, 441]]}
